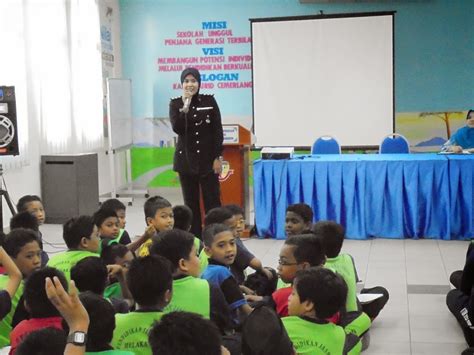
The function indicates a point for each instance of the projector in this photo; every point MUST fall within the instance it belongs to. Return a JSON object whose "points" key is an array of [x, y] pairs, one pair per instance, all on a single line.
{"points": [[277, 153]]}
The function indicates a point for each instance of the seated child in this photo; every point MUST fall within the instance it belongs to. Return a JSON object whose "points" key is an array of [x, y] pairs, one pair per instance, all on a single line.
{"points": [[183, 217], [221, 249], [33, 205], [150, 282], [158, 218], [9, 282], [244, 257], [46, 341], [298, 219], [116, 254], [82, 239], [101, 326], [318, 294], [185, 333], [116, 205], [107, 223], [298, 253], [42, 312], [91, 273], [332, 236], [22, 245], [178, 247]]}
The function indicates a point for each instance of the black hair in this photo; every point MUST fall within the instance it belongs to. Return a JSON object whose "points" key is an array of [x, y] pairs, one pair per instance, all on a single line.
{"points": [[148, 279], [308, 248], [90, 274], [153, 204], [35, 296], [235, 209], [113, 251], [77, 228], [24, 220], [25, 200], [3, 236], [469, 113], [211, 231], [17, 239], [101, 321], [183, 217], [113, 204], [174, 245], [324, 288], [184, 333], [217, 215], [331, 235], [45, 341], [303, 210], [102, 214]]}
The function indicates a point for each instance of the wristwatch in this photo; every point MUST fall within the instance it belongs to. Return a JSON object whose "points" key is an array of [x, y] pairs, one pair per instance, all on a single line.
{"points": [[77, 338]]}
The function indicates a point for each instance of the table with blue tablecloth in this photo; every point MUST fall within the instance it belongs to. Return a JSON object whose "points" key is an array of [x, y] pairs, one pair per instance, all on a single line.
{"points": [[372, 195]]}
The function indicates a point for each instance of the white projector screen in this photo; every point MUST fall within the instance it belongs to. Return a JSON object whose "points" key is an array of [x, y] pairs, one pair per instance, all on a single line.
{"points": [[323, 75]]}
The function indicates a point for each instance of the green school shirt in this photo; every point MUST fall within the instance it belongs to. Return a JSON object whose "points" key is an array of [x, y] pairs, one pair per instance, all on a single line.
{"points": [[113, 290], [117, 239], [317, 338], [110, 352], [131, 331], [190, 294], [203, 260], [66, 260], [5, 323], [344, 266], [281, 284]]}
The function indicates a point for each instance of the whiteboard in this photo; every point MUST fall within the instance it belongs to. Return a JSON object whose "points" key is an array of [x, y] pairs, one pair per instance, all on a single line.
{"points": [[119, 113], [327, 75]]}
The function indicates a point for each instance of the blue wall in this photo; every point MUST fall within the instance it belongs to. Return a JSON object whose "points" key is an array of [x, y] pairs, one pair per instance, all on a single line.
{"points": [[434, 47]]}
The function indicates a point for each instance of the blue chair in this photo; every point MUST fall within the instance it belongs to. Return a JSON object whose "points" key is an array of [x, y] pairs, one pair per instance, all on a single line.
{"points": [[394, 143], [326, 145]]}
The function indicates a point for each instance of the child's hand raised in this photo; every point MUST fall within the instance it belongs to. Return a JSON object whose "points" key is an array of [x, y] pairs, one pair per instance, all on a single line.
{"points": [[68, 305], [116, 271]]}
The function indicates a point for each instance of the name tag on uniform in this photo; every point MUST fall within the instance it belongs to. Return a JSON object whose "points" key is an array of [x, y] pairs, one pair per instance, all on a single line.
{"points": [[204, 108]]}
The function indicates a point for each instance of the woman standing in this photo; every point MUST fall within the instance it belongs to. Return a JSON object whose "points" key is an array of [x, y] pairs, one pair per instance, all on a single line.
{"points": [[196, 119]]}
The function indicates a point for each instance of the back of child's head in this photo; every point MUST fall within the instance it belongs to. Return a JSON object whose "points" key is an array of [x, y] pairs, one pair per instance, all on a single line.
{"points": [[217, 215], [324, 288], [23, 202], [153, 204], [184, 333], [303, 210], [263, 333], [46, 341], [101, 321], [307, 248], [211, 231], [173, 245], [37, 302], [77, 228], [331, 235], [17, 239], [113, 204], [183, 217], [102, 214], [235, 209], [90, 274], [148, 279], [110, 253], [24, 220]]}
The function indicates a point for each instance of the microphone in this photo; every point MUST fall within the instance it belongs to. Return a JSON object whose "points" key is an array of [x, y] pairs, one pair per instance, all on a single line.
{"points": [[185, 108]]}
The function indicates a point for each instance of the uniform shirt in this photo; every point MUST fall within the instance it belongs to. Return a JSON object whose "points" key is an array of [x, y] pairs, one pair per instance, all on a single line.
{"points": [[5, 303], [66, 260], [200, 134], [241, 262]]}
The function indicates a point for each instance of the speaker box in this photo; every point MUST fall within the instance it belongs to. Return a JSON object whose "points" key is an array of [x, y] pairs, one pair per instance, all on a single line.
{"points": [[8, 126]]}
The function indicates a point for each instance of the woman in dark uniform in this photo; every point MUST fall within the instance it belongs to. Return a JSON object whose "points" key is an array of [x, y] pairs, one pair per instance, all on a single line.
{"points": [[196, 119]]}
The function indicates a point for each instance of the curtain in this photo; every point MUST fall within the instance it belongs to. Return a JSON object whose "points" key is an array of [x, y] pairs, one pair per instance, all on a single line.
{"points": [[56, 69]]}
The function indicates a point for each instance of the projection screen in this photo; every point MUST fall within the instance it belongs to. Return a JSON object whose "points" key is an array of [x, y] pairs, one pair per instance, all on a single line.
{"points": [[323, 75]]}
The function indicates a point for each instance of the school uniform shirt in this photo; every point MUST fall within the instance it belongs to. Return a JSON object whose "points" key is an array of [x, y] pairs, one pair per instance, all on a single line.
{"points": [[200, 134], [5, 303], [6, 322], [343, 264], [110, 352], [66, 260], [28, 326], [241, 262], [131, 331]]}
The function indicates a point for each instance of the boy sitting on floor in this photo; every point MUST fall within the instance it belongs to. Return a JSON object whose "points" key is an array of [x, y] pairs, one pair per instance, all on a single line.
{"points": [[119, 208]]}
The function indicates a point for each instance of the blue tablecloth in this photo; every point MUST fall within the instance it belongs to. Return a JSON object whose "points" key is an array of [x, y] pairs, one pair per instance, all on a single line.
{"points": [[389, 195]]}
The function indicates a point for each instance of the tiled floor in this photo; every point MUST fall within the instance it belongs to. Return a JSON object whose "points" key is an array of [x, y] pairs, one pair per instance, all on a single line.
{"points": [[416, 273]]}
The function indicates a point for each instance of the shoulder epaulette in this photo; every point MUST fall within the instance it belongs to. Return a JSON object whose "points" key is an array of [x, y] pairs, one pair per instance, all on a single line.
{"points": [[174, 98], [207, 94]]}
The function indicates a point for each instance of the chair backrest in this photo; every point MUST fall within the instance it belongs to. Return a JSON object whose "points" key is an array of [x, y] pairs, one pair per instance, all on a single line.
{"points": [[326, 145], [394, 143]]}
